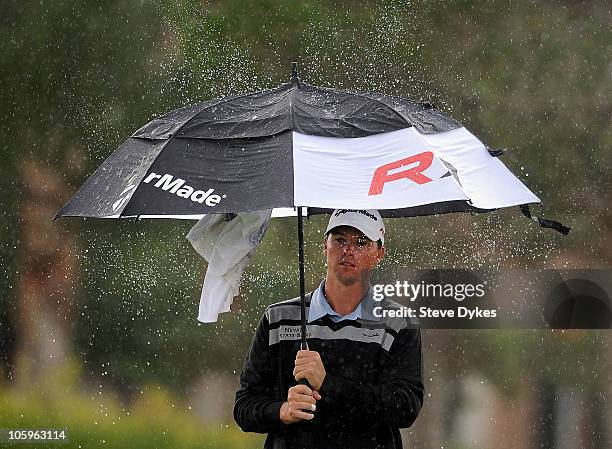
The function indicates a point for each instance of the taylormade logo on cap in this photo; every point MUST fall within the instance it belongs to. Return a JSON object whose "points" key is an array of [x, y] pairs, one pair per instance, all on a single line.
{"points": [[369, 222], [339, 212]]}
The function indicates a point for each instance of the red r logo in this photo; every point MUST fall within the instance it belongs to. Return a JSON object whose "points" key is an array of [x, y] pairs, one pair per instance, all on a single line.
{"points": [[382, 176]]}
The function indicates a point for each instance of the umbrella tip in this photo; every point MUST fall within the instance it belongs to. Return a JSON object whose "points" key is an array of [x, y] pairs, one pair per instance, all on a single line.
{"points": [[294, 73]]}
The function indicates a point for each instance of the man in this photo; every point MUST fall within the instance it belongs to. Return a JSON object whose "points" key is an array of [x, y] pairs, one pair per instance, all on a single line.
{"points": [[364, 372]]}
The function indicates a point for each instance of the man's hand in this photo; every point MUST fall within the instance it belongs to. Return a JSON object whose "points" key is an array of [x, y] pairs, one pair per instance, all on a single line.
{"points": [[309, 366], [299, 398]]}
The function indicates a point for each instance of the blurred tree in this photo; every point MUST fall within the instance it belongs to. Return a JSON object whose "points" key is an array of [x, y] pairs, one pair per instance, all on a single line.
{"points": [[66, 96], [78, 77]]}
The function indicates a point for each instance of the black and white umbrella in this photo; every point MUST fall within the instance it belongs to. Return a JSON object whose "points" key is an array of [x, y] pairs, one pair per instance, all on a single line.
{"points": [[298, 146]]}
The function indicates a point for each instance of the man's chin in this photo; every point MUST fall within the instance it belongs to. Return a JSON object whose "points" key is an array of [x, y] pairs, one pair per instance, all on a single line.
{"points": [[347, 280]]}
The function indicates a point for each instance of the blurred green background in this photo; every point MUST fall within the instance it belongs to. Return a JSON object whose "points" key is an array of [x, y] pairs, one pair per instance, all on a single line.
{"points": [[98, 330]]}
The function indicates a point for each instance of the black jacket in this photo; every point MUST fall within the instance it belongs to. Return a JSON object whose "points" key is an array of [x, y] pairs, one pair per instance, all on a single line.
{"points": [[372, 388]]}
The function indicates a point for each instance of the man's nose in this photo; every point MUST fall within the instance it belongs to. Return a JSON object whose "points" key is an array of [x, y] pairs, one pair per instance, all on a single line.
{"points": [[350, 247]]}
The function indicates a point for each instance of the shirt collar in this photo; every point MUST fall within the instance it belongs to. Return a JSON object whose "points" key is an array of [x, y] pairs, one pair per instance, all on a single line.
{"points": [[319, 307]]}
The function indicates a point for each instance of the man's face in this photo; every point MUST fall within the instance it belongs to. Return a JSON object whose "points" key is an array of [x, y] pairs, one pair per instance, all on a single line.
{"points": [[351, 255]]}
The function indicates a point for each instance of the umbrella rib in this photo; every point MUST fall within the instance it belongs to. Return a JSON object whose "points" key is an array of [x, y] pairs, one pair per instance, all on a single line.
{"points": [[140, 181], [291, 95], [374, 99], [219, 102], [392, 109]]}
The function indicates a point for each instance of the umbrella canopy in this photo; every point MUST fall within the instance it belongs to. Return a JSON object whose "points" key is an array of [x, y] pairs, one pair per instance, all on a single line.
{"points": [[299, 145]]}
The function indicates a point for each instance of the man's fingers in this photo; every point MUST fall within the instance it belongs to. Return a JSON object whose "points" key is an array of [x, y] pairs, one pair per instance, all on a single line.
{"points": [[305, 361], [301, 398], [305, 398], [301, 360], [316, 395], [301, 354], [302, 415], [299, 369], [303, 406], [301, 389], [303, 375]]}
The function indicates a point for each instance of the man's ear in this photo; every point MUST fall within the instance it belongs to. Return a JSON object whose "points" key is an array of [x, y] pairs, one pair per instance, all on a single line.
{"points": [[325, 245], [381, 254]]}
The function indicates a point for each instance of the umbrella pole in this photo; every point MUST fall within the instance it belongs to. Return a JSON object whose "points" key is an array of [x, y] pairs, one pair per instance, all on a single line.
{"points": [[300, 223]]}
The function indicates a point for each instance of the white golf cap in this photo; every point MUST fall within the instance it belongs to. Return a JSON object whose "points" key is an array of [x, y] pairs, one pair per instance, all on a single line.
{"points": [[367, 221]]}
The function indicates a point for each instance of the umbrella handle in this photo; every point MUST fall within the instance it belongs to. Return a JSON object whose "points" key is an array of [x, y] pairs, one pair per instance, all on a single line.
{"points": [[303, 341], [304, 347]]}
